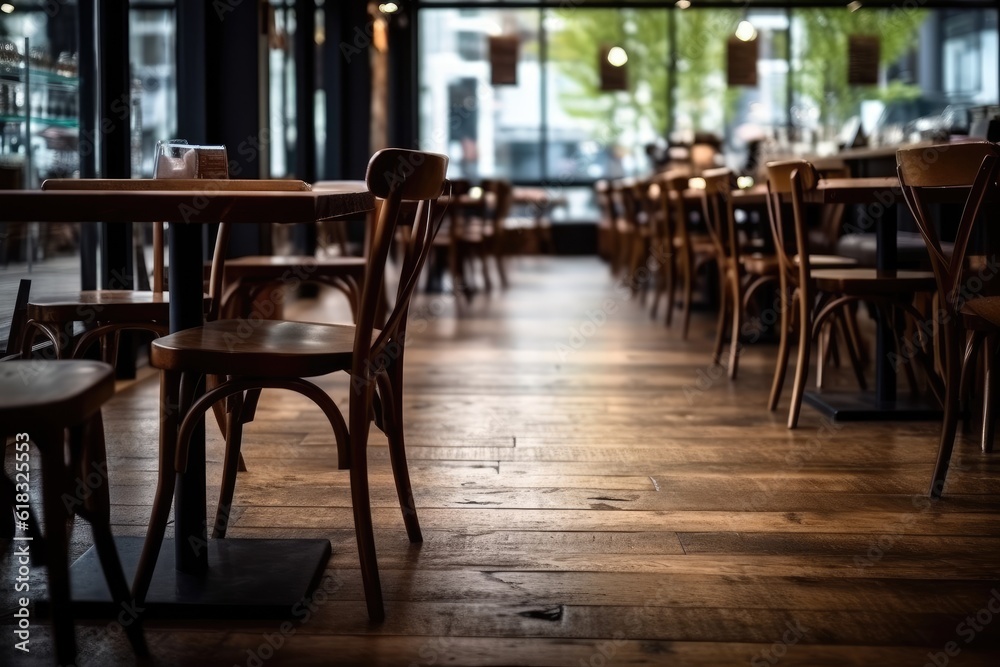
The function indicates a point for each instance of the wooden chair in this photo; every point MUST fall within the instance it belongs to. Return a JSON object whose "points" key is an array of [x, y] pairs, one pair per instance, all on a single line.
{"points": [[632, 231], [638, 229], [280, 354], [608, 226], [44, 399], [246, 277], [486, 234], [811, 296], [109, 311], [966, 317], [450, 246], [717, 209], [690, 249]]}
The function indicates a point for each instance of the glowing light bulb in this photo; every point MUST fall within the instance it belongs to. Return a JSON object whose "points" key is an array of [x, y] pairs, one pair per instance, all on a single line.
{"points": [[617, 56], [745, 31]]}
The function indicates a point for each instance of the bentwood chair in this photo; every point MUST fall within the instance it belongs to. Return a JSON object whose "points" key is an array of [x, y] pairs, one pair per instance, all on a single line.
{"points": [[635, 229], [810, 296], [477, 232], [44, 400], [109, 311], [277, 354], [969, 302], [690, 249], [717, 209], [607, 229]]}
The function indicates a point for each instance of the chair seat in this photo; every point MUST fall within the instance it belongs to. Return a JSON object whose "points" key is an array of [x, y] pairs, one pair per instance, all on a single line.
{"points": [[108, 305], [60, 393], [760, 265], [986, 309], [265, 348], [275, 267], [828, 261], [859, 281]]}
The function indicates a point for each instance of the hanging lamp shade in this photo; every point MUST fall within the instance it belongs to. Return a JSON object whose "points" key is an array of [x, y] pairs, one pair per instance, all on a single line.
{"points": [[503, 60], [741, 62], [863, 52], [613, 67]]}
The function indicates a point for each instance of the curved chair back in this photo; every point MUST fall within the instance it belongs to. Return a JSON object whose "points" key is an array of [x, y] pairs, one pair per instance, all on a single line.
{"points": [[396, 175], [922, 171], [717, 208], [787, 182]]}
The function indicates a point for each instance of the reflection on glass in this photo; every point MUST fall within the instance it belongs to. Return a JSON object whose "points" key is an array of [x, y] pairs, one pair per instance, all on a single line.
{"points": [[154, 86], [487, 131]]}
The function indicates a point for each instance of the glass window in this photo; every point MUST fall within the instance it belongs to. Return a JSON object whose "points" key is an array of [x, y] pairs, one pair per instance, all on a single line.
{"points": [[592, 132], [487, 131], [154, 87]]}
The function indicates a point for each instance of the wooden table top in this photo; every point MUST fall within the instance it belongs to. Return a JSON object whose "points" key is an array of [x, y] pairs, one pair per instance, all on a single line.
{"points": [[856, 190], [208, 204]]}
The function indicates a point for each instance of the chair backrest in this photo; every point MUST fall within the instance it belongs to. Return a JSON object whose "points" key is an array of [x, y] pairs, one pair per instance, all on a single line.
{"points": [[18, 319], [673, 209], [787, 182], [973, 166], [632, 211], [396, 175], [501, 193], [832, 215], [717, 208]]}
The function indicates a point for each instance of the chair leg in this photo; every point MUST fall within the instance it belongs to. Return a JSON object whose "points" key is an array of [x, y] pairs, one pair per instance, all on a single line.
{"points": [[498, 256], [230, 466], [98, 504], [658, 286], [392, 391], [361, 501], [992, 385], [52, 445], [169, 422], [859, 370], [951, 411], [802, 365], [823, 347], [968, 374], [487, 283], [735, 347], [854, 331], [782, 362], [688, 279], [670, 269], [720, 327]]}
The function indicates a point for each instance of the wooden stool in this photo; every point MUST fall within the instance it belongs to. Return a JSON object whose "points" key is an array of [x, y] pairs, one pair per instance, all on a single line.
{"points": [[41, 400]]}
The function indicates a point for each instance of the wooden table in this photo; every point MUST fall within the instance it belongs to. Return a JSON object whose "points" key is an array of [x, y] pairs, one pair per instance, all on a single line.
{"points": [[881, 197], [222, 578]]}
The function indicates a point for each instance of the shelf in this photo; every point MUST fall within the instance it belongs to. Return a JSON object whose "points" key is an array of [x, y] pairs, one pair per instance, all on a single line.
{"points": [[40, 75], [51, 122]]}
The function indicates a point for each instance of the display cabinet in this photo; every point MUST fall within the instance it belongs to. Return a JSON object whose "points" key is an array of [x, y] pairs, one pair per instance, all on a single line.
{"points": [[39, 126]]}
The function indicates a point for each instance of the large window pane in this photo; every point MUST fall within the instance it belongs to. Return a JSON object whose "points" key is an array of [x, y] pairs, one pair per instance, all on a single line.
{"points": [[154, 87], [594, 133], [934, 67], [487, 131]]}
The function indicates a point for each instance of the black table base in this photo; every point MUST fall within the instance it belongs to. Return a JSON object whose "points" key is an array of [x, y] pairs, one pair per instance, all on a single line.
{"points": [[246, 579], [844, 406]]}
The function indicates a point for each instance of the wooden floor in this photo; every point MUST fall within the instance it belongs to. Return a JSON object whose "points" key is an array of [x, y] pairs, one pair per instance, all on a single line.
{"points": [[592, 492]]}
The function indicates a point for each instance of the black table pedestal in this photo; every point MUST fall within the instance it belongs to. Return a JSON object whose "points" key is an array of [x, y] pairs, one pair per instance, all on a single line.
{"points": [[246, 578]]}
